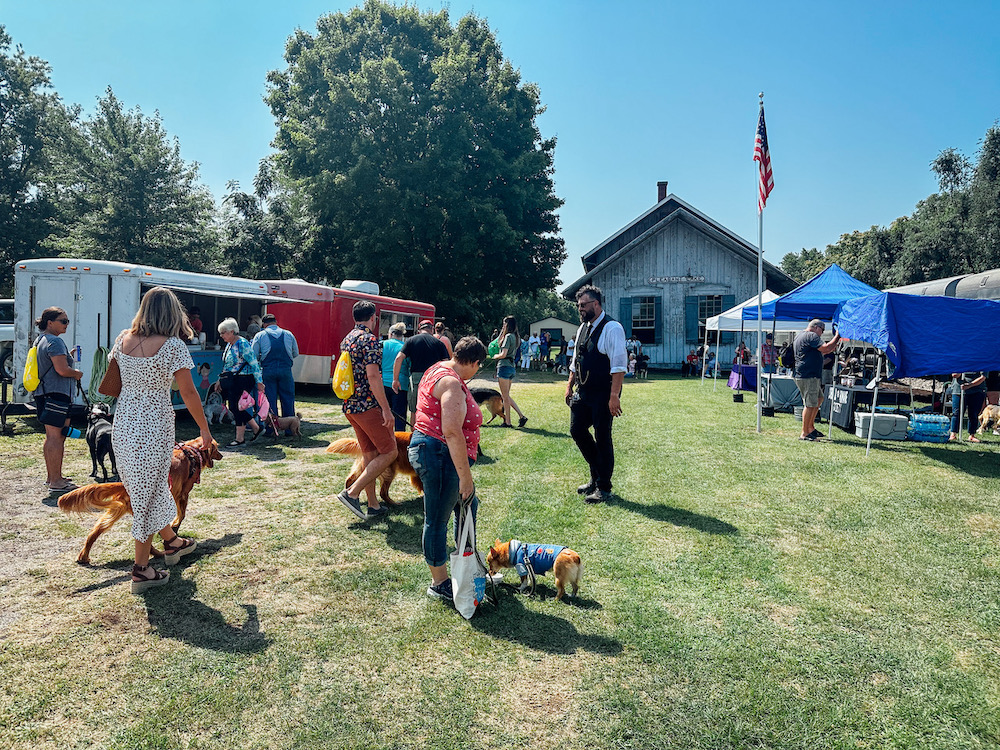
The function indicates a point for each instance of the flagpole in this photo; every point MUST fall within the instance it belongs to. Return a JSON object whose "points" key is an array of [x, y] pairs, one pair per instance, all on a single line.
{"points": [[760, 295]]}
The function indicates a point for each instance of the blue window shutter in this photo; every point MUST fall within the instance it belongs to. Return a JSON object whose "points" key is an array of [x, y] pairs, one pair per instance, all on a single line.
{"points": [[691, 319], [625, 314], [658, 320], [728, 301]]}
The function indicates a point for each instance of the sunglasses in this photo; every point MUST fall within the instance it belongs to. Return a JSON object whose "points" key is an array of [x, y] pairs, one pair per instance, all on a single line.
{"points": [[64, 321]]}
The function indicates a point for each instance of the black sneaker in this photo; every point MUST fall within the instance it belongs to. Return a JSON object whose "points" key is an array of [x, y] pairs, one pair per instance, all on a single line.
{"points": [[377, 512], [586, 489], [441, 590], [522, 421], [352, 504]]}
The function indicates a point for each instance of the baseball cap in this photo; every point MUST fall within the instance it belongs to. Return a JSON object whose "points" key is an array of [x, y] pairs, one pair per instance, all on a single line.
{"points": [[426, 324]]}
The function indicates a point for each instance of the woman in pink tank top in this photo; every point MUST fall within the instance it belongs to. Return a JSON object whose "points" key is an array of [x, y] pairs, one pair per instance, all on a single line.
{"points": [[443, 447]]}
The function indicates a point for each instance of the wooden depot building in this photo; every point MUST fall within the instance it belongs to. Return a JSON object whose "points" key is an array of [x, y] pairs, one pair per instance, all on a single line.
{"points": [[668, 271]]}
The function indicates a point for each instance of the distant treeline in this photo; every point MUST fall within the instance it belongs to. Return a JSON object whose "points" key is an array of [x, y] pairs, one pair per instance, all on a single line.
{"points": [[952, 232]]}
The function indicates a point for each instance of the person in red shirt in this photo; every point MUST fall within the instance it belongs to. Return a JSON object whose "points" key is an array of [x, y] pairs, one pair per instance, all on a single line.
{"points": [[443, 447]]}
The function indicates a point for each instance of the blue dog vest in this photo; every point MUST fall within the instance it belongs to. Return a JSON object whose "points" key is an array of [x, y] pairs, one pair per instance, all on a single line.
{"points": [[541, 557]]}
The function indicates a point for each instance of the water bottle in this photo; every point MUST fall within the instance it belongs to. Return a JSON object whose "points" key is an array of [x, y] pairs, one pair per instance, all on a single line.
{"points": [[78, 352]]}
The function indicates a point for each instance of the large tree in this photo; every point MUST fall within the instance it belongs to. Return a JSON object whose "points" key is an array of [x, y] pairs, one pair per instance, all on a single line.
{"points": [[263, 231], [416, 144], [35, 135], [135, 198]]}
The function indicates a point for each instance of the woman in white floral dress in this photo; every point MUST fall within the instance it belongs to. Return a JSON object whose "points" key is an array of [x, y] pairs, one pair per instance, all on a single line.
{"points": [[150, 355]]}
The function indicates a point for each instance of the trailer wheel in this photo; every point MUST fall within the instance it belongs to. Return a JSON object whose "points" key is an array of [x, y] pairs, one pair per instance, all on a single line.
{"points": [[7, 366]]}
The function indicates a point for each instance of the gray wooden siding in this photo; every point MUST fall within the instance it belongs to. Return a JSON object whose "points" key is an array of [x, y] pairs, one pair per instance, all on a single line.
{"points": [[679, 249]]}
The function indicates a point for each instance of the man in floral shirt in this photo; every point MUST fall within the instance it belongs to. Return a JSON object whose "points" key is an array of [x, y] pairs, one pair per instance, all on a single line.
{"points": [[367, 410]]}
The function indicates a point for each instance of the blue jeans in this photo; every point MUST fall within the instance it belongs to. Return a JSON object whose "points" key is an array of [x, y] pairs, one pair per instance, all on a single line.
{"points": [[279, 387], [974, 402], [432, 462]]}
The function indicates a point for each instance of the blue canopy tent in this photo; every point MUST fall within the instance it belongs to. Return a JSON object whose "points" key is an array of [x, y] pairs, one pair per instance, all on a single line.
{"points": [[924, 336], [817, 298]]}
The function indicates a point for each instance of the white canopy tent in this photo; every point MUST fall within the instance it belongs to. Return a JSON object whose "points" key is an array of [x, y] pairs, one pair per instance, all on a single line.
{"points": [[732, 320]]}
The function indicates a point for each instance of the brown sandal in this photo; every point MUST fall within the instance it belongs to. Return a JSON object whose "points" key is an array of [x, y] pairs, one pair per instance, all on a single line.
{"points": [[176, 548], [140, 582]]}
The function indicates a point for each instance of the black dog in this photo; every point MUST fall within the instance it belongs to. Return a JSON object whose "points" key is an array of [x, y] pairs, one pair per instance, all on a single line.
{"points": [[99, 439]]}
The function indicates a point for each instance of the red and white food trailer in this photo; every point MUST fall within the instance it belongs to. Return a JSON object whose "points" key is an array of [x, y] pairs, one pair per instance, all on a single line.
{"points": [[321, 326]]}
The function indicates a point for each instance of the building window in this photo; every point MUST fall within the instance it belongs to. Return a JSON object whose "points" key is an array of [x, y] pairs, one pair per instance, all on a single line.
{"points": [[644, 319], [708, 306], [698, 309]]}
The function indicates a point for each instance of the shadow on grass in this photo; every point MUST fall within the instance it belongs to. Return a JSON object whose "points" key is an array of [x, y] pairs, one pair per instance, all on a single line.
{"points": [[175, 613], [679, 517], [512, 621], [206, 546], [401, 535], [977, 461]]}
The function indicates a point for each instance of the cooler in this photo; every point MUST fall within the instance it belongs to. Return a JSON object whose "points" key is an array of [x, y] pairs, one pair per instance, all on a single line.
{"points": [[887, 426]]}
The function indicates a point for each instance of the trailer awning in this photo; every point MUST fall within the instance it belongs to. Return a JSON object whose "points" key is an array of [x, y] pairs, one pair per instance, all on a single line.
{"points": [[264, 299]]}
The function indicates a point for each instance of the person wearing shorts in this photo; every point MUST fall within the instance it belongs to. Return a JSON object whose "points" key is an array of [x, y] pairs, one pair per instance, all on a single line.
{"points": [[510, 344], [367, 409], [809, 351], [54, 394]]}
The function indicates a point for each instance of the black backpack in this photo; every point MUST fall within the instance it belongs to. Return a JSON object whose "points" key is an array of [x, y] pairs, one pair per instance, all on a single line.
{"points": [[787, 357]]}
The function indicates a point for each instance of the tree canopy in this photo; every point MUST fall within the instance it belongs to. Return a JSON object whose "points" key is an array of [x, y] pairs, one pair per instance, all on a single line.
{"points": [[34, 131], [955, 231], [416, 146], [135, 198]]}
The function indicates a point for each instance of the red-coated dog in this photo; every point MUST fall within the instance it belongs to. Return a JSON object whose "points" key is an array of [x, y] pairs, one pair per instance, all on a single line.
{"points": [[400, 466], [185, 472]]}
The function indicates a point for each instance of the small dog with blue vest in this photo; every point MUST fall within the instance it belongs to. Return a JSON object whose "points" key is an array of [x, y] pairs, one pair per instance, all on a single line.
{"points": [[530, 560]]}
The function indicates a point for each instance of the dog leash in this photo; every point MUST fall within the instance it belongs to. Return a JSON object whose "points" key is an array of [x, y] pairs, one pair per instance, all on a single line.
{"points": [[465, 507], [405, 420]]}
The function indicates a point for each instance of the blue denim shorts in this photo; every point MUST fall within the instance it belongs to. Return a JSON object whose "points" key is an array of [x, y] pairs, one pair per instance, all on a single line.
{"points": [[505, 372]]}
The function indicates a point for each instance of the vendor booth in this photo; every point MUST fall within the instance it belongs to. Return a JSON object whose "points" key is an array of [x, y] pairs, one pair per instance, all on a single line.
{"points": [[923, 336]]}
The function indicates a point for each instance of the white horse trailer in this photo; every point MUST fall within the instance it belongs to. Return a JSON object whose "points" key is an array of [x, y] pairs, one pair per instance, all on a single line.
{"points": [[101, 298]]}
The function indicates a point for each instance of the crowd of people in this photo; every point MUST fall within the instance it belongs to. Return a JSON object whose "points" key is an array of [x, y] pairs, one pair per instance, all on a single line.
{"points": [[446, 420]]}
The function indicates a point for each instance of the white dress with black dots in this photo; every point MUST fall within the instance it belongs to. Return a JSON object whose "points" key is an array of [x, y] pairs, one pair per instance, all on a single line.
{"points": [[143, 433]]}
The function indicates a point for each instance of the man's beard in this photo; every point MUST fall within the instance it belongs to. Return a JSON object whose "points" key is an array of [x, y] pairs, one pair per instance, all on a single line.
{"points": [[587, 315]]}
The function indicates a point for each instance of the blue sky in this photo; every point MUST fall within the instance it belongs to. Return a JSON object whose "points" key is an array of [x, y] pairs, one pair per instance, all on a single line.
{"points": [[859, 96]]}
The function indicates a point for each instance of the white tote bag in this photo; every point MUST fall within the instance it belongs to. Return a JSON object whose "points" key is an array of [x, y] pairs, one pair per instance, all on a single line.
{"points": [[468, 574]]}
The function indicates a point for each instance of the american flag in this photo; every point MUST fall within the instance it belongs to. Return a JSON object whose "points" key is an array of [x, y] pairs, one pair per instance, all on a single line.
{"points": [[762, 155]]}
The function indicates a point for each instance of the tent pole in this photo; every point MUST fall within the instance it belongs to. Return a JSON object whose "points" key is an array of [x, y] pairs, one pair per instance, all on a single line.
{"points": [[961, 411], [704, 353], [871, 420]]}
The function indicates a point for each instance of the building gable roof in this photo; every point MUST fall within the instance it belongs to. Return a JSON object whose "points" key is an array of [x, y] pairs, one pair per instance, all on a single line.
{"points": [[670, 209]]}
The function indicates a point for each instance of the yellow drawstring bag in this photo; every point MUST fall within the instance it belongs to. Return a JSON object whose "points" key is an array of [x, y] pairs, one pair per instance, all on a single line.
{"points": [[30, 377], [343, 377]]}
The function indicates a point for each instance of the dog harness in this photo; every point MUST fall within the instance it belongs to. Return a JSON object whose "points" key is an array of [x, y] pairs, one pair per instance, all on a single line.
{"points": [[540, 557], [195, 461]]}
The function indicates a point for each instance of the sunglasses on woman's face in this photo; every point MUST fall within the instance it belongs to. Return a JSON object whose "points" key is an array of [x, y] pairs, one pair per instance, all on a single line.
{"points": [[64, 321]]}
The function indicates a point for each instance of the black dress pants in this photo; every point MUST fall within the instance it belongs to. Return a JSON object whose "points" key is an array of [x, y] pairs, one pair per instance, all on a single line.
{"points": [[590, 411]]}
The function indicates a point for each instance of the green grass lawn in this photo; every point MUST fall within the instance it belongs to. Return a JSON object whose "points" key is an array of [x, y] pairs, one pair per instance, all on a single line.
{"points": [[744, 590]]}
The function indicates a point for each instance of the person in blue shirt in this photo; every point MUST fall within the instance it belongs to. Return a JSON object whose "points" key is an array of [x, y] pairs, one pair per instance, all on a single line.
{"points": [[390, 348], [276, 349]]}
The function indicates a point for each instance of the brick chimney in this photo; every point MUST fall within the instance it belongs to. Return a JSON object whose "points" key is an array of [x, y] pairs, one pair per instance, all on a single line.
{"points": [[661, 190]]}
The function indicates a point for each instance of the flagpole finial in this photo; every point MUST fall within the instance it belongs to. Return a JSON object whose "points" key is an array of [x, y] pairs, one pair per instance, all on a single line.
{"points": [[761, 95]]}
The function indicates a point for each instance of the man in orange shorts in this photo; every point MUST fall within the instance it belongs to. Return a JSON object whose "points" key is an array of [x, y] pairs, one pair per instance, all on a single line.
{"points": [[367, 410]]}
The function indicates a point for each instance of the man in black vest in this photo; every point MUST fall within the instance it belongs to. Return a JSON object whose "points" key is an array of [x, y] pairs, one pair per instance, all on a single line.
{"points": [[597, 372]]}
